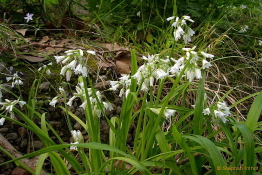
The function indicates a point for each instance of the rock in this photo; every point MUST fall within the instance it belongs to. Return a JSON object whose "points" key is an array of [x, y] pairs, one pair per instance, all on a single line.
{"points": [[55, 124], [23, 143], [38, 144], [45, 86], [22, 132], [118, 109], [12, 136], [3, 130], [77, 126]]}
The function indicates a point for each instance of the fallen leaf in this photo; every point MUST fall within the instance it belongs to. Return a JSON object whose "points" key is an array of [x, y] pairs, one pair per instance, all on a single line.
{"points": [[33, 59], [104, 65], [63, 42], [44, 40], [21, 31], [113, 47], [123, 62]]}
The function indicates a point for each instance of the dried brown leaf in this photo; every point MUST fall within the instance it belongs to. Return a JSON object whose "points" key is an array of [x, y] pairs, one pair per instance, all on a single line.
{"points": [[33, 59], [21, 31], [44, 40]]}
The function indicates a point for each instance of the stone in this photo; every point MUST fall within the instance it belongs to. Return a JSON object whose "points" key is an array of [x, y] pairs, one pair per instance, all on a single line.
{"points": [[45, 86], [38, 144], [77, 126], [22, 132], [23, 143], [3, 130], [55, 124], [12, 136]]}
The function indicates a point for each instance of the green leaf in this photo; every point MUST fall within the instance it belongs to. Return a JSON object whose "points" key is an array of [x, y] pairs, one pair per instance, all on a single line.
{"points": [[40, 163], [254, 113], [249, 148], [213, 151]]}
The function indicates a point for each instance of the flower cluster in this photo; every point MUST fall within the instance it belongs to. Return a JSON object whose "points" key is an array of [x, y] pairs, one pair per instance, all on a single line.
{"points": [[16, 80], [74, 62], [124, 82], [181, 28], [243, 29], [156, 68], [77, 137], [8, 106], [95, 98], [221, 111]]}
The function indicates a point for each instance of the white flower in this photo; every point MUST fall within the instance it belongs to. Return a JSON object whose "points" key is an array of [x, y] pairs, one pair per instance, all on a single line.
{"points": [[121, 92], [83, 105], [178, 33], [108, 106], [74, 148], [205, 64], [198, 73], [63, 70], [65, 60], [29, 17], [187, 36], [59, 58], [127, 92], [169, 112], [53, 102], [84, 73], [190, 74], [243, 6], [244, 29], [114, 85], [68, 75], [206, 111], [187, 18], [16, 79], [220, 115], [260, 42], [69, 103], [72, 65], [170, 18], [207, 55], [79, 69], [138, 13], [160, 74], [77, 136], [91, 52], [2, 120]]}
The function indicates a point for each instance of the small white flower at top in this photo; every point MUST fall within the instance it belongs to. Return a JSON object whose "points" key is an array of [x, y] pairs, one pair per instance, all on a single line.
{"points": [[29, 17], [181, 28], [16, 80], [243, 6]]}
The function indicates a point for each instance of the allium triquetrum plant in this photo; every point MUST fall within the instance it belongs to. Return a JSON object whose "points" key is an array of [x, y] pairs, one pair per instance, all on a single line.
{"points": [[171, 137]]}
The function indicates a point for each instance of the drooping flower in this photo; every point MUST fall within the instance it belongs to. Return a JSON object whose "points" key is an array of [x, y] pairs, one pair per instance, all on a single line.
{"points": [[206, 64], [2, 120], [53, 101], [206, 111]]}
